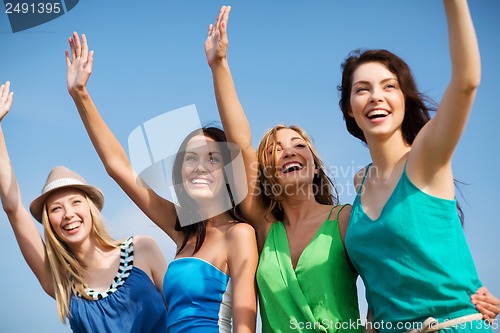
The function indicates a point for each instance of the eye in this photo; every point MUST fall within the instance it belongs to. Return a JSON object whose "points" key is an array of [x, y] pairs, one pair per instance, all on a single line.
{"points": [[300, 145], [55, 209], [214, 159], [361, 89], [190, 158], [77, 201]]}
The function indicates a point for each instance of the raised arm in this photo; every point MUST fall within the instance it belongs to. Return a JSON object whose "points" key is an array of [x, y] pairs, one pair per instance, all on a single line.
{"points": [[113, 156], [433, 148], [233, 117], [27, 235]]}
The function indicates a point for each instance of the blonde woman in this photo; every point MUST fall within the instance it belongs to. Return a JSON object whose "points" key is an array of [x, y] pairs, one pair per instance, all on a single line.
{"points": [[99, 284]]}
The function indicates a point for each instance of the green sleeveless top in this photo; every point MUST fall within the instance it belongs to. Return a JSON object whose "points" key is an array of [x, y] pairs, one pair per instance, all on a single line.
{"points": [[413, 259], [319, 295]]}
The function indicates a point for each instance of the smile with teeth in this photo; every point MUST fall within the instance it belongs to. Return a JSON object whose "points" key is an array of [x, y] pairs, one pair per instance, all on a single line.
{"points": [[200, 181], [294, 166], [72, 226], [377, 113]]}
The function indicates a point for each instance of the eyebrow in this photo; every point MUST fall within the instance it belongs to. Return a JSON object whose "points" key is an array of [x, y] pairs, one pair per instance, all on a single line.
{"points": [[292, 139], [195, 153], [383, 81]]}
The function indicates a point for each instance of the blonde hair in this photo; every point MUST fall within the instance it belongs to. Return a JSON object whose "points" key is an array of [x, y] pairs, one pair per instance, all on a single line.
{"points": [[325, 191], [67, 271]]}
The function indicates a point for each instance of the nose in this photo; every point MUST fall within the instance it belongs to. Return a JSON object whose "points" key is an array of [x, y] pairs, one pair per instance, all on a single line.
{"points": [[68, 214], [376, 95], [201, 168], [288, 152]]}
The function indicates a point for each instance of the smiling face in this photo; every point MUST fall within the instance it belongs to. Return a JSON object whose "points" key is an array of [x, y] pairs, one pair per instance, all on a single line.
{"points": [[288, 162], [377, 101], [202, 168], [69, 215]]}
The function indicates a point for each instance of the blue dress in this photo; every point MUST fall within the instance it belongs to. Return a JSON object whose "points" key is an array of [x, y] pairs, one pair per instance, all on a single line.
{"points": [[131, 304], [198, 296]]}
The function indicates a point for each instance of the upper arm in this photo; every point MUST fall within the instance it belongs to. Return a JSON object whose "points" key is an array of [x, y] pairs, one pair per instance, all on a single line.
{"points": [[434, 146], [159, 210], [151, 255], [242, 262], [252, 207], [32, 247]]}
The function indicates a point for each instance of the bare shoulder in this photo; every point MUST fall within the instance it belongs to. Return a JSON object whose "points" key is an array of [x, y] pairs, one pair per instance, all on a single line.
{"points": [[144, 243], [240, 231]]}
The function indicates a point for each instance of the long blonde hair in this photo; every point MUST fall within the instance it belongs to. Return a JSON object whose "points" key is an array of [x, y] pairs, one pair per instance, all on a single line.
{"points": [[67, 271], [324, 192]]}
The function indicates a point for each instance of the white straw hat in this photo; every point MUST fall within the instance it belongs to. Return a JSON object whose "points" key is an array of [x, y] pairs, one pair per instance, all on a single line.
{"points": [[62, 177]]}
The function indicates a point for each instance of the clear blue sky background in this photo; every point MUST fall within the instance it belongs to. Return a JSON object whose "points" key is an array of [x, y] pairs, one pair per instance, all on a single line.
{"points": [[285, 57]]}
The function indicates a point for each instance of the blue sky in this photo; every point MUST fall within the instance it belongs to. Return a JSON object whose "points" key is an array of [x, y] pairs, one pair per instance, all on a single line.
{"points": [[285, 57]]}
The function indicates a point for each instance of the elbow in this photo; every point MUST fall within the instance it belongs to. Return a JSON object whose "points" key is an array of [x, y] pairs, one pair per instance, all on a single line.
{"points": [[468, 85]]}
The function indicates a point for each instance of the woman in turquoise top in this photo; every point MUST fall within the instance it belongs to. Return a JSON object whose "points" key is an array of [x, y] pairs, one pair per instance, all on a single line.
{"points": [[210, 240], [405, 237]]}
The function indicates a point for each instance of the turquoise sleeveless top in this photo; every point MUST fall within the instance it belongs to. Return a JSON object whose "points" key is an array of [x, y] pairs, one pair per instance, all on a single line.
{"points": [[414, 259], [320, 295]]}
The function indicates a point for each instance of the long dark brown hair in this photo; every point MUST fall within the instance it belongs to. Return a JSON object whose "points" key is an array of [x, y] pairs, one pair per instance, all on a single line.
{"points": [[417, 105], [194, 226]]}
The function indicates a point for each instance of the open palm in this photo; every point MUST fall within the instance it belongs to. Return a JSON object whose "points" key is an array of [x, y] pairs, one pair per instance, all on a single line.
{"points": [[216, 43], [79, 63]]}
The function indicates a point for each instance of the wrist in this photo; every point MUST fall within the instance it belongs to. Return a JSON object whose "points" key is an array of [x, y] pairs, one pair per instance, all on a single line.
{"points": [[79, 92], [219, 64]]}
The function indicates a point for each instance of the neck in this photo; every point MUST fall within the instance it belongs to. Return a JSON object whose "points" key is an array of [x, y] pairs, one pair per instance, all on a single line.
{"points": [[387, 153], [90, 253], [300, 209]]}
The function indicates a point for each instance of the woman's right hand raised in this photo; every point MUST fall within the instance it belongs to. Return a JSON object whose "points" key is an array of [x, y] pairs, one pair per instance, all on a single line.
{"points": [[217, 42], [79, 64]]}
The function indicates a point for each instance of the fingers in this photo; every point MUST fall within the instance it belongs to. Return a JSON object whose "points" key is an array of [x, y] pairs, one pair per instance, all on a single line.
{"points": [[68, 60], [85, 47], [5, 97], [78, 46], [72, 48], [210, 30], [90, 61], [225, 17]]}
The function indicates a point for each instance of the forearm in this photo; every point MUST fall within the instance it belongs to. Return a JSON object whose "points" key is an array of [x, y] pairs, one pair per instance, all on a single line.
{"points": [[464, 49], [9, 189], [231, 112], [108, 148]]}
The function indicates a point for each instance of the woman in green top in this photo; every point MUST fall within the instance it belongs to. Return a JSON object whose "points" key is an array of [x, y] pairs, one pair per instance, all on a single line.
{"points": [[306, 283]]}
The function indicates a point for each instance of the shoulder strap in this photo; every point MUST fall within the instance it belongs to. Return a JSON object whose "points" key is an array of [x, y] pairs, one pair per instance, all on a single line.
{"points": [[338, 213], [364, 177]]}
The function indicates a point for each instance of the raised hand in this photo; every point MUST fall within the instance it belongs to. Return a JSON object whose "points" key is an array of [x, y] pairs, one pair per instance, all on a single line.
{"points": [[79, 63], [5, 99], [216, 43]]}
